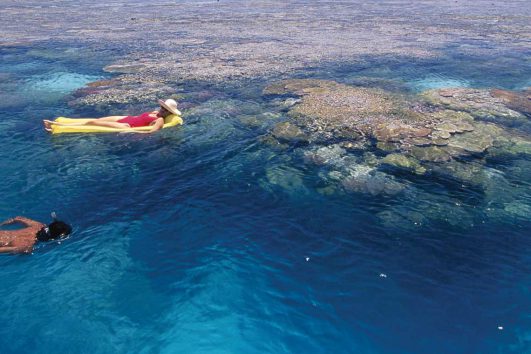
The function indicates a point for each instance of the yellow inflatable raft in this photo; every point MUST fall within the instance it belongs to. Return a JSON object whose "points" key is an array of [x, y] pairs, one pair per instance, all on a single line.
{"points": [[170, 121]]}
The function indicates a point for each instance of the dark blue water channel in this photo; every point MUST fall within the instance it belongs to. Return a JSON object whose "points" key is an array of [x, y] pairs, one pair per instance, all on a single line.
{"points": [[201, 239]]}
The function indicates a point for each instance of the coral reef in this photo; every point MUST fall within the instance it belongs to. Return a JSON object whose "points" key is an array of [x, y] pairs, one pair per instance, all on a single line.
{"points": [[192, 41], [481, 103], [341, 122]]}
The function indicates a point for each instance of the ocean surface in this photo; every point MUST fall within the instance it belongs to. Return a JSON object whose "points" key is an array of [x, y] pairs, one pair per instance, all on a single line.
{"points": [[203, 239]]}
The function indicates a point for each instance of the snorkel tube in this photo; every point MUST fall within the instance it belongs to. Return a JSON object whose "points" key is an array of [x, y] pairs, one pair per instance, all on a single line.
{"points": [[56, 230]]}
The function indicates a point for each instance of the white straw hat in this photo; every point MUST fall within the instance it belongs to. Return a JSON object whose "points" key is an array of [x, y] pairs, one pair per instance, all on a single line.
{"points": [[170, 105]]}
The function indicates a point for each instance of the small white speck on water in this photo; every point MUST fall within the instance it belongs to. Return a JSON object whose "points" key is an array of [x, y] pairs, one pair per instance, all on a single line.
{"points": [[307, 259], [382, 275], [500, 328]]}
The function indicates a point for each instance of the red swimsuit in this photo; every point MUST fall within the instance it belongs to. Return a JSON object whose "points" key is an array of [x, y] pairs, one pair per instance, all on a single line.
{"points": [[142, 120]]}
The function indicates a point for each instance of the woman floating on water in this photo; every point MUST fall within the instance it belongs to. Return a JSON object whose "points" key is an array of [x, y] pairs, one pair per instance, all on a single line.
{"points": [[22, 240], [154, 119]]}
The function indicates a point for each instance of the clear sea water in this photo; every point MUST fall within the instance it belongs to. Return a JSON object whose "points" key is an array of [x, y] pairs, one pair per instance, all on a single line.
{"points": [[201, 239]]}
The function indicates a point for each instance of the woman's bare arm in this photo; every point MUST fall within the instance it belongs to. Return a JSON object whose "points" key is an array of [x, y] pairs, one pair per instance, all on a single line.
{"points": [[22, 220], [14, 250], [159, 123]]}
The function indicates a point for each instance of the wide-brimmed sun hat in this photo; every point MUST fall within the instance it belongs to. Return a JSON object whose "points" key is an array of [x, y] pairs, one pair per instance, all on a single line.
{"points": [[170, 105]]}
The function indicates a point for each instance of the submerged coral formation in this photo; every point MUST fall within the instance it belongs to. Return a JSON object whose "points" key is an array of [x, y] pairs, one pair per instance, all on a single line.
{"points": [[481, 103], [164, 43], [368, 134], [416, 134]]}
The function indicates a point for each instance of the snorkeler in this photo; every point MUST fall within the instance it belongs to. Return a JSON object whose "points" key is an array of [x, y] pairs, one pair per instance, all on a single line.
{"points": [[154, 119], [23, 240]]}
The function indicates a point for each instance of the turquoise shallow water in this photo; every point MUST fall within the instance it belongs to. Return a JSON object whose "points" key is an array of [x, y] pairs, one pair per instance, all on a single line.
{"points": [[201, 239]]}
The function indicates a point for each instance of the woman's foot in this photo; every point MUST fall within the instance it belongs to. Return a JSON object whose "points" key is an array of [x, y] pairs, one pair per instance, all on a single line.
{"points": [[47, 125]]}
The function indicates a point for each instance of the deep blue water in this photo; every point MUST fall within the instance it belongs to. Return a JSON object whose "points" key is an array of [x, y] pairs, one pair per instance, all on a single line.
{"points": [[201, 239]]}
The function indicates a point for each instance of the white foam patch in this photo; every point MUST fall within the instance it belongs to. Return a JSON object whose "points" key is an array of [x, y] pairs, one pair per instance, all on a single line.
{"points": [[437, 81], [60, 82], [524, 86]]}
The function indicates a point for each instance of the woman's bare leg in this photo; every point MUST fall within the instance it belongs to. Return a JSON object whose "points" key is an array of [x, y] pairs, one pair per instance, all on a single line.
{"points": [[93, 121], [107, 119], [106, 123]]}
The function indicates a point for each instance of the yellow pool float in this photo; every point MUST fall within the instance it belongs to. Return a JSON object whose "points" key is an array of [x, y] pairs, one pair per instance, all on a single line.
{"points": [[170, 121]]}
